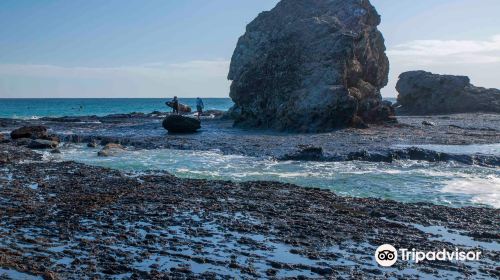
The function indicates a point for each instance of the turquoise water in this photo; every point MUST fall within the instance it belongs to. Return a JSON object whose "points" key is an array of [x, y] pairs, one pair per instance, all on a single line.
{"points": [[449, 184], [58, 107], [32, 108]]}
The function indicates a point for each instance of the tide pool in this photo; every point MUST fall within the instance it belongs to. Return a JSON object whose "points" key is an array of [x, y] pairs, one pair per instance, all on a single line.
{"points": [[450, 184]]}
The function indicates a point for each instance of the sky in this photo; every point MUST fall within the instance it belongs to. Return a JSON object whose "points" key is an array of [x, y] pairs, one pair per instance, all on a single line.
{"points": [[157, 48]]}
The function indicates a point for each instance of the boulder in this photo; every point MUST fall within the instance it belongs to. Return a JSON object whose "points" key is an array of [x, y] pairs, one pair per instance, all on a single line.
{"points": [[310, 66], [111, 149], [181, 124], [425, 93], [42, 144], [32, 132]]}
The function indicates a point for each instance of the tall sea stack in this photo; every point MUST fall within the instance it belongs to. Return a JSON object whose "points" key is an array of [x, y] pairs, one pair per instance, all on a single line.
{"points": [[310, 66]]}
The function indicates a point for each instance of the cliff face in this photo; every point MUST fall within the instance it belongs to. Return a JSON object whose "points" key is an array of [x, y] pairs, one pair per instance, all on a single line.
{"points": [[422, 93], [310, 66]]}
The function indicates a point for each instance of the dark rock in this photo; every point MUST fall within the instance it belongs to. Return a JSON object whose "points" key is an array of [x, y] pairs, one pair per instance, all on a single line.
{"points": [[181, 124], [364, 155], [92, 144], [22, 141], [55, 151], [310, 66], [422, 93], [322, 270], [358, 122], [32, 132], [62, 119], [427, 123], [305, 152], [42, 144]]}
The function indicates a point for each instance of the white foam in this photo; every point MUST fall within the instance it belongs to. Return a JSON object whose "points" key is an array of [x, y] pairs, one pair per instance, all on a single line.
{"points": [[483, 190], [408, 181]]}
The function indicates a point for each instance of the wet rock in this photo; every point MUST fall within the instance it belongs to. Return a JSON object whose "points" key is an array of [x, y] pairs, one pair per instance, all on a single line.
{"points": [[49, 275], [32, 132], [310, 66], [428, 123], [110, 149], [97, 207], [93, 144], [55, 151], [322, 270], [22, 141], [422, 93], [358, 122], [42, 144], [364, 155], [181, 124], [62, 119], [305, 152]]}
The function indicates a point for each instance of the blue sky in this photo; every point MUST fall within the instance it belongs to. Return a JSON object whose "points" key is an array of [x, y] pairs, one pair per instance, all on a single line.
{"points": [[160, 48]]}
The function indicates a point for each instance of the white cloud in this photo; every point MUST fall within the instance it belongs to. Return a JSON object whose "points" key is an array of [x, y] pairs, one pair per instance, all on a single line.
{"points": [[192, 78], [428, 52]]}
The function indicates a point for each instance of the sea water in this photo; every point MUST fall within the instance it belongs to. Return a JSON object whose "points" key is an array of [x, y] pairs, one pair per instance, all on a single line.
{"points": [[32, 108], [445, 183]]}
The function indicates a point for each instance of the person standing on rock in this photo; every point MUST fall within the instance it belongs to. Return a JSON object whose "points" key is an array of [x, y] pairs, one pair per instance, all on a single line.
{"points": [[175, 105], [199, 106]]}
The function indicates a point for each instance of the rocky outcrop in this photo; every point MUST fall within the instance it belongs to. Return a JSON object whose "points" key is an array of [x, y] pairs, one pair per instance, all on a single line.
{"points": [[425, 93], [310, 66], [32, 132], [181, 124], [305, 152], [43, 144]]}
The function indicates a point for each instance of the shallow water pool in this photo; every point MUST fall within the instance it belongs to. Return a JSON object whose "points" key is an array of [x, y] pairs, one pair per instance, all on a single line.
{"points": [[449, 183]]}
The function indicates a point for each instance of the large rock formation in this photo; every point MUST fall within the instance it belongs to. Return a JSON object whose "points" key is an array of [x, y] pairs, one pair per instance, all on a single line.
{"points": [[310, 66], [424, 93]]}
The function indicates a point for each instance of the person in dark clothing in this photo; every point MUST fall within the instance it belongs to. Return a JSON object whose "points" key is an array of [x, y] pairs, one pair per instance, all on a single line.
{"points": [[175, 105], [199, 106]]}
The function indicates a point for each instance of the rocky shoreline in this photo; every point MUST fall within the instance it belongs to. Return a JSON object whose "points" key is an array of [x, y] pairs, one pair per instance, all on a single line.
{"points": [[64, 220], [378, 143]]}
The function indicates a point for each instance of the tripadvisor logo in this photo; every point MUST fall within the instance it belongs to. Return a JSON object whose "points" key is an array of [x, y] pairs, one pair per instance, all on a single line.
{"points": [[386, 255]]}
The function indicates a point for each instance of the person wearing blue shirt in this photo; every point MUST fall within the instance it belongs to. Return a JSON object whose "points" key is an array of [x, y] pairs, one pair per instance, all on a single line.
{"points": [[199, 106]]}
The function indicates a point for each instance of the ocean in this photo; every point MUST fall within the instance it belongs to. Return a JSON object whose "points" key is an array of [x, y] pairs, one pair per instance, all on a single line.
{"points": [[32, 108]]}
